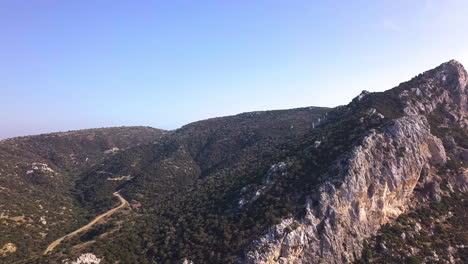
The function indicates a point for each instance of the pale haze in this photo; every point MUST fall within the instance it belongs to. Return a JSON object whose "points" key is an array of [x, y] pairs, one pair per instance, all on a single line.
{"points": [[68, 65]]}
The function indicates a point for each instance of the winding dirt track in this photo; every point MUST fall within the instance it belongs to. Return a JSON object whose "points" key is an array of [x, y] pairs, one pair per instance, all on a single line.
{"points": [[123, 203]]}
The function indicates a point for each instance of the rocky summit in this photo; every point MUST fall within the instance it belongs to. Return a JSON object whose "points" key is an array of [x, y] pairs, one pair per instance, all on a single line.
{"points": [[383, 179]]}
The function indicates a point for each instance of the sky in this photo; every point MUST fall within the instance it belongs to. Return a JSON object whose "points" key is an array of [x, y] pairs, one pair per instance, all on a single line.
{"points": [[68, 65]]}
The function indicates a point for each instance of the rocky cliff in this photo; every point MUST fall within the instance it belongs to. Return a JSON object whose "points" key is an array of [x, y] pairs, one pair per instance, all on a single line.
{"points": [[378, 176]]}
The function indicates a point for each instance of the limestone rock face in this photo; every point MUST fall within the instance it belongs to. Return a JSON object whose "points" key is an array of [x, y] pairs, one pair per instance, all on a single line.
{"points": [[376, 189], [185, 261], [7, 249], [444, 87], [378, 180], [87, 258]]}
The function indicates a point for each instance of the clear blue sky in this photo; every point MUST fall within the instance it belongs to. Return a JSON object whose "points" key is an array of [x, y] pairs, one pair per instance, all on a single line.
{"points": [[79, 64]]}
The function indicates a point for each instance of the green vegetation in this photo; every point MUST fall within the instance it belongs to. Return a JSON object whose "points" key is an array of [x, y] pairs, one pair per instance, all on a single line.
{"points": [[427, 230], [37, 178]]}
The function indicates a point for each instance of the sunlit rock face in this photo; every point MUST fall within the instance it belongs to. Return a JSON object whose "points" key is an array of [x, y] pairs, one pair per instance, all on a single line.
{"points": [[378, 179], [87, 258], [7, 249]]}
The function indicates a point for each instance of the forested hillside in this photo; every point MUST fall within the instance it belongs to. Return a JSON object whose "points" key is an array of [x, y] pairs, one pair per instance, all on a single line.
{"points": [[37, 176]]}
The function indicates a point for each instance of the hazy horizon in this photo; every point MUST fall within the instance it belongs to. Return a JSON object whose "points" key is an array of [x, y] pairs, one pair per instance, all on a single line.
{"points": [[76, 65]]}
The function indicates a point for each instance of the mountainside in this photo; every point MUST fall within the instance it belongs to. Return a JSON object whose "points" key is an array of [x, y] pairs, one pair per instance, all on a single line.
{"points": [[37, 174], [194, 153], [380, 180]]}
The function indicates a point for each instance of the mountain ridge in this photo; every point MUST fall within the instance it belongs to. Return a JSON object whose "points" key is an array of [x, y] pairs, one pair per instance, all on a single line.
{"points": [[305, 185]]}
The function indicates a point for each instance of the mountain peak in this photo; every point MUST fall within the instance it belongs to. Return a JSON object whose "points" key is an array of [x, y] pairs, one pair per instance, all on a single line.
{"points": [[443, 86], [453, 68], [453, 62]]}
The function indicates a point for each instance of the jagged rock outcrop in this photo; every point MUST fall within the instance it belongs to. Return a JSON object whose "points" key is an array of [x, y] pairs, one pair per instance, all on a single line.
{"points": [[87, 258], [443, 87], [377, 180], [7, 248], [185, 261]]}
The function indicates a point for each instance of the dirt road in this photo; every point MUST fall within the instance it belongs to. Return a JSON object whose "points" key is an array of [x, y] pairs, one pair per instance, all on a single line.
{"points": [[123, 203]]}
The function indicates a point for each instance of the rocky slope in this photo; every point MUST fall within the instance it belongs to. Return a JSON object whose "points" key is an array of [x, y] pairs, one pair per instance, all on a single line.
{"points": [[378, 177], [433, 233]]}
